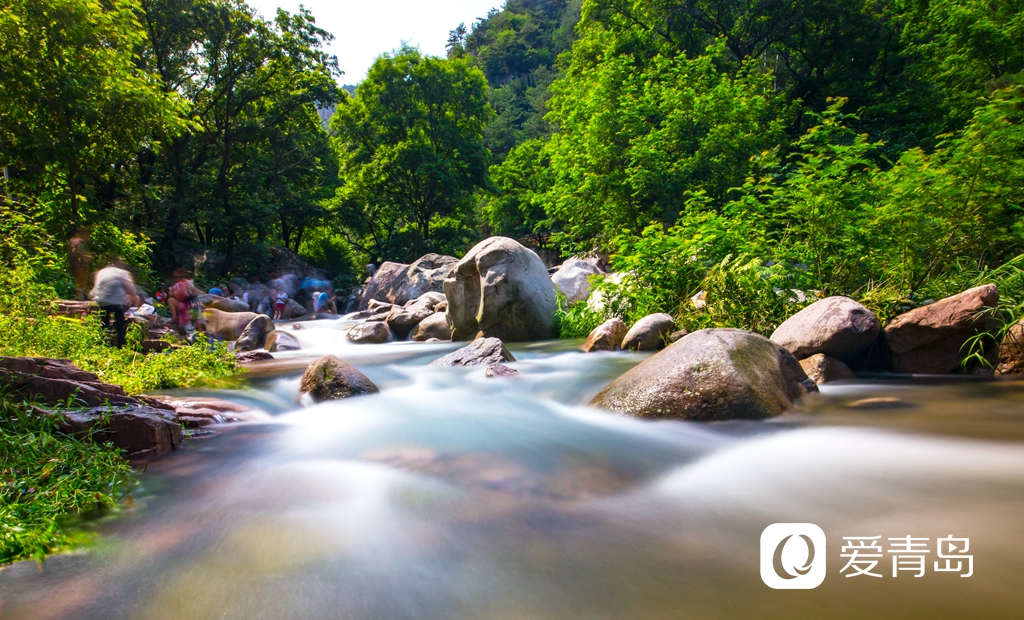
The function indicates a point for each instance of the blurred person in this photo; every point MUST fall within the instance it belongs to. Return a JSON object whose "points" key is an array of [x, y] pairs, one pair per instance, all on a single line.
{"points": [[78, 260], [114, 291], [181, 298]]}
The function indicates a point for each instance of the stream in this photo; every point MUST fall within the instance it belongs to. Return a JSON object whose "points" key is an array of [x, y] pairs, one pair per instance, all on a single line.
{"points": [[452, 495]]}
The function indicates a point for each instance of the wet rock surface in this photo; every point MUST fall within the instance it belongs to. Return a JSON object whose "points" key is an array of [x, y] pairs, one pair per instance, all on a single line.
{"points": [[279, 340], [1011, 351], [606, 337], [821, 368], [480, 351], [434, 326], [369, 333], [712, 374]]}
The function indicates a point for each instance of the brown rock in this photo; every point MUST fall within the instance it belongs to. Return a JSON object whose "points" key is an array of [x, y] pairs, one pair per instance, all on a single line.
{"points": [[480, 351], [255, 333], [331, 378], [606, 337], [140, 430], [821, 368], [402, 320], [649, 333], [246, 357], [54, 382], [226, 325], [931, 339], [1011, 351], [712, 374], [398, 283]]}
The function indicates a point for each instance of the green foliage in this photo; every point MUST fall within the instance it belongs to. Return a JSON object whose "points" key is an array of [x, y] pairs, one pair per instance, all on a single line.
{"points": [[412, 153], [516, 209], [29, 331], [576, 320], [46, 477]]}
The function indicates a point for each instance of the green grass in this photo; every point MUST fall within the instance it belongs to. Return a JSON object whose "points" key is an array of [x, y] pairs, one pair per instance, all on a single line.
{"points": [[47, 478]]}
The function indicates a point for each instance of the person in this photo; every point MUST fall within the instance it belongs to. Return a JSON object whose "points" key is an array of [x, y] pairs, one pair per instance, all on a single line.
{"points": [[79, 259], [181, 299], [216, 290], [161, 295], [114, 291], [280, 305]]}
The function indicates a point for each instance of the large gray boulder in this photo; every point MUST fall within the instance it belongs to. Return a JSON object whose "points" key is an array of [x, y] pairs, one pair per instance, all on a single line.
{"points": [[573, 279], [649, 333], [931, 339], [836, 326], [502, 290], [434, 326], [369, 333], [255, 333], [398, 283], [481, 351], [331, 378], [712, 374]]}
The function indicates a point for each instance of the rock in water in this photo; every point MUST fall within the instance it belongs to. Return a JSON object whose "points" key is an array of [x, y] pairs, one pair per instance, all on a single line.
{"points": [[480, 351], [369, 333], [606, 337], [649, 333], [434, 326], [821, 368], [293, 310], [402, 320], [931, 339], [500, 370], [255, 333], [278, 340], [141, 431], [573, 279], [398, 284], [331, 378], [246, 357], [712, 374], [1011, 351], [502, 290], [226, 325], [836, 326]]}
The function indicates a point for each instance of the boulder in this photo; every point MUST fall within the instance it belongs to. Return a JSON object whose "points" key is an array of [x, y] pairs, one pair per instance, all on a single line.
{"points": [[712, 374], [255, 333], [142, 431], [278, 340], [398, 283], [677, 335], [480, 351], [293, 310], [331, 378], [351, 303], [502, 290], [573, 279], [54, 381], [821, 368], [221, 325], [222, 303], [1011, 351], [377, 307], [500, 370], [649, 333], [836, 326], [930, 339], [369, 333], [606, 337], [403, 320], [434, 326], [246, 357]]}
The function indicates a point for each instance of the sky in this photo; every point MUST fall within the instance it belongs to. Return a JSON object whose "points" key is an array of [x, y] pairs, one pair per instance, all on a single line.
{"points": [[363, 29]]}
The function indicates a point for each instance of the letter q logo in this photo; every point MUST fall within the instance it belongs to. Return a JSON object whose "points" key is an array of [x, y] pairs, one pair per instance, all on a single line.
{"points": [[792, 556]]}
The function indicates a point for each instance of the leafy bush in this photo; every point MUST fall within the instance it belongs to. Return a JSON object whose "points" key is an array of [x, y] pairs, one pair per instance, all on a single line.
{"points": [[46, 475], [576, 320]]}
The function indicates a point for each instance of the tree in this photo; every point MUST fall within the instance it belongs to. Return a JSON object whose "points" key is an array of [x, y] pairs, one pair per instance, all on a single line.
{"points": [[411, 149], [76, 105]]}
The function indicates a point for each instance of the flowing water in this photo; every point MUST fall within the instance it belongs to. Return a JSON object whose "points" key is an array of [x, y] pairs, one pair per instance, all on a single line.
{"points": [[451, 495]]}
